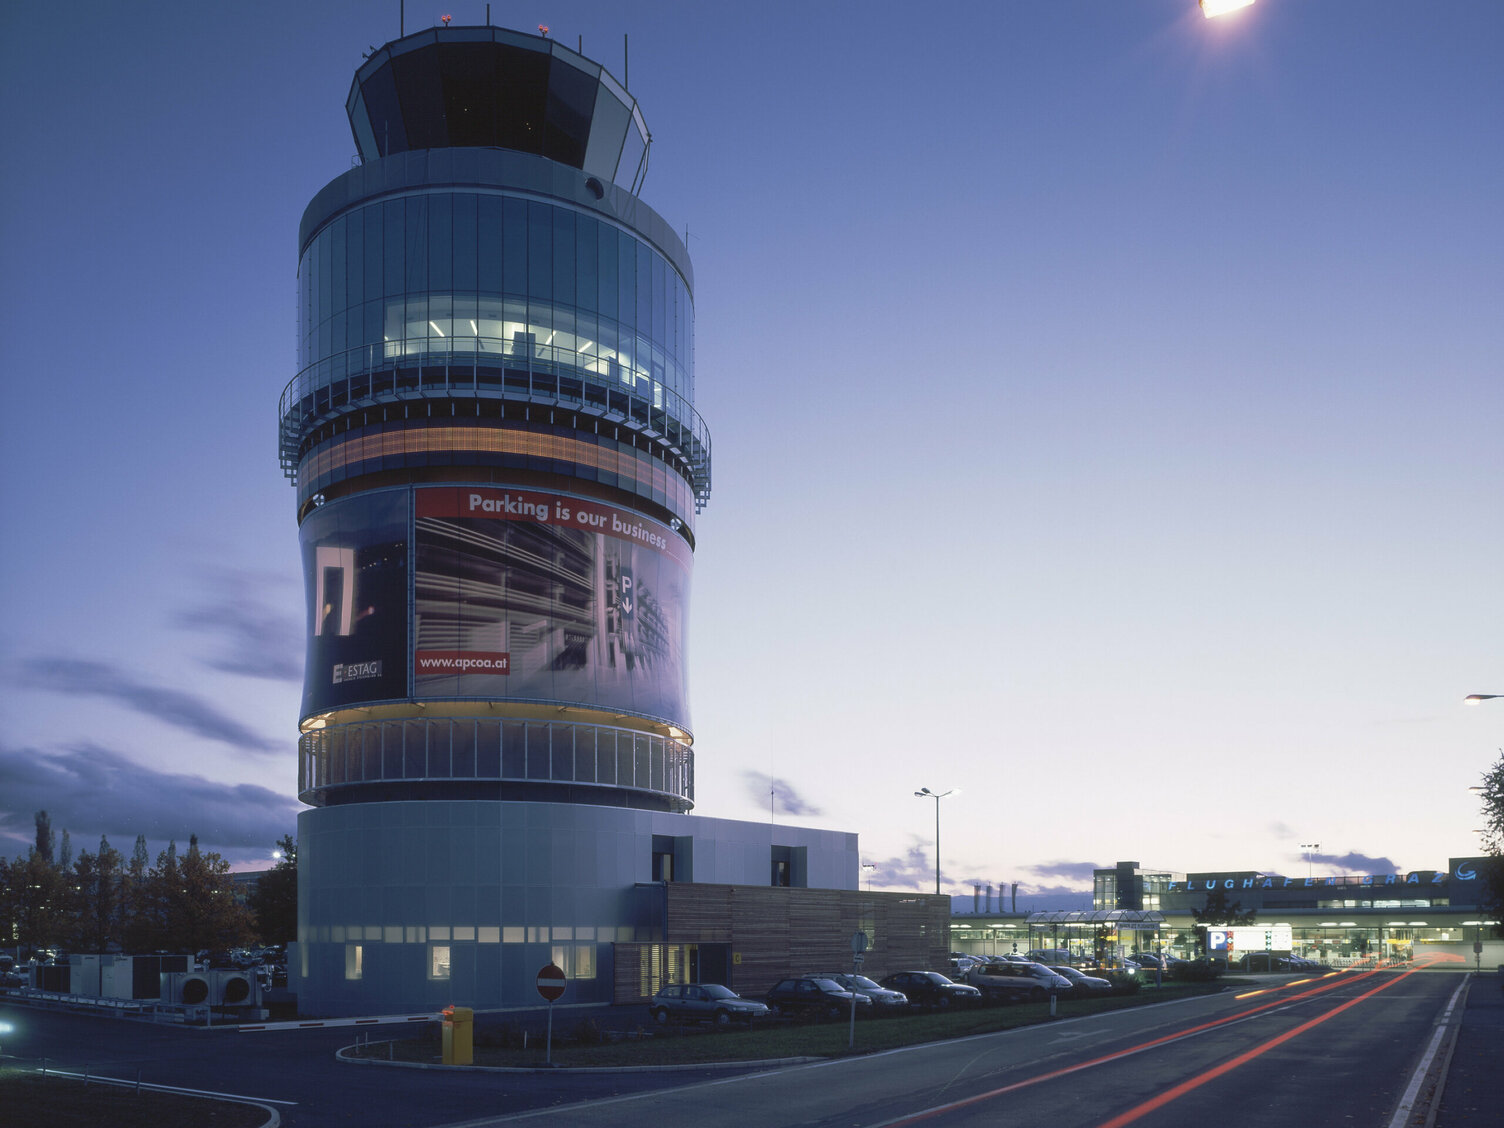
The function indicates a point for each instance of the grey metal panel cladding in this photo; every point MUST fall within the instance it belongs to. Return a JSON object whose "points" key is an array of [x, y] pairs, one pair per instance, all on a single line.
{"points": [[491, 168]]}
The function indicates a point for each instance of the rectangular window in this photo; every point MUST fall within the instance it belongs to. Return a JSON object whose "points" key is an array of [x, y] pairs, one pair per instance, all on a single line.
{"points": [[463, 749], [584, 961], [416, 279], [540, 251], [514, 246], [488, 749], [392, 243], [488, 244], [564, 254], [464, 242], [513, 750], [438, 961], [586, 286], [354, 960]]}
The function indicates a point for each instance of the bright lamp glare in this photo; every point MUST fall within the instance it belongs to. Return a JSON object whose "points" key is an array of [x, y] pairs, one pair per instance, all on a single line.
{"points": [[1210, 8]]}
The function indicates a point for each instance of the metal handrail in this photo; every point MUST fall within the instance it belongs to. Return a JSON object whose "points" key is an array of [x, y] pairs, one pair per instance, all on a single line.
{"points": [[521, 371]]}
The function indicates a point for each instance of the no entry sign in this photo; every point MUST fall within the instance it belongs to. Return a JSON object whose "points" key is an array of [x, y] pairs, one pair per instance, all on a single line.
{"points": [[551, 982]]}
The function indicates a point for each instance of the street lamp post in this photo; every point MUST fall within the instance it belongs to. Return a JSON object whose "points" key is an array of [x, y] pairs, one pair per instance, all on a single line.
{"points": [[1479, 698], [926, 793], [1308, 847]]}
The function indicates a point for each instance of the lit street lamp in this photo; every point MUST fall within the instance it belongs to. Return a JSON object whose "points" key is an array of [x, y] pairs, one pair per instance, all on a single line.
{"points": [[1308, 847], [1479, 698], [926, 793]]}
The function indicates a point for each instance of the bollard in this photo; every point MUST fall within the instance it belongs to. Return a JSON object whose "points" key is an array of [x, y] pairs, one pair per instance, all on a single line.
{"points": [[459, 1035]]}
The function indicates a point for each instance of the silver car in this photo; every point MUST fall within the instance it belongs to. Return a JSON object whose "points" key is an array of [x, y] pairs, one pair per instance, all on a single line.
{"points": [[1082, 984], [711, 1001], [883, 999]]}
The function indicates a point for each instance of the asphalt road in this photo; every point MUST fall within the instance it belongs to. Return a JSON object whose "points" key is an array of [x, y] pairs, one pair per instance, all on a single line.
{"points": [[1331, 1051]]}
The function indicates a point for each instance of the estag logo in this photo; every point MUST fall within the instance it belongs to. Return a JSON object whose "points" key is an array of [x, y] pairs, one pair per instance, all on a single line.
{"points": [[355, 671]]}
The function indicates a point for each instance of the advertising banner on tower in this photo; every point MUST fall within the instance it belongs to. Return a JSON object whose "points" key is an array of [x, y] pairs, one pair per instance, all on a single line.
{"points": [[355, 574], [535, 596]]}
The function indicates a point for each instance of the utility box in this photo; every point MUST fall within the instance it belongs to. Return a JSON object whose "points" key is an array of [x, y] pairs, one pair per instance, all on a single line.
{"points": [[459, 1036], [84, 973]]}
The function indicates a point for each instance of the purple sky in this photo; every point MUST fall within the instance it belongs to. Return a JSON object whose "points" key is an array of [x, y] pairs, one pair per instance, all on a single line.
{"points": [[1106, 404]]}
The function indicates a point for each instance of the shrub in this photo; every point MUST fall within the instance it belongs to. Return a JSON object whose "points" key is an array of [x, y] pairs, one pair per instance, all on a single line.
{"points": [[1197, 971], [588, 1032], [507, 1036]]}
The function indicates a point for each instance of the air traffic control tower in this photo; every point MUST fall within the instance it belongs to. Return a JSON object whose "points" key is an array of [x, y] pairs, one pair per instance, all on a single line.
{"points": [[498, 465]]}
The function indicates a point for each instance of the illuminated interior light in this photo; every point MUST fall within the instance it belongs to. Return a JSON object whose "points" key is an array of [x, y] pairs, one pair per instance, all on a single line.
{"points": [[587, 345], [435, 328], [473, 330], [550, 339]]}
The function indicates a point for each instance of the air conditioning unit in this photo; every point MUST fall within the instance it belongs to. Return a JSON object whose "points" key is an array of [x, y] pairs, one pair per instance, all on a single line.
{"points": [[188, 988], [217, 987], [235, 988]]}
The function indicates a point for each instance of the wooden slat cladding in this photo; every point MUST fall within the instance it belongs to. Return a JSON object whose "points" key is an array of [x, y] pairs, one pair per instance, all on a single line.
{"points": [[777, 931]]}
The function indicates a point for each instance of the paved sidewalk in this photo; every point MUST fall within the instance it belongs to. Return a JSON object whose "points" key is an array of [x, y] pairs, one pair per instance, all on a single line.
{"points": [[1472, 1094]]}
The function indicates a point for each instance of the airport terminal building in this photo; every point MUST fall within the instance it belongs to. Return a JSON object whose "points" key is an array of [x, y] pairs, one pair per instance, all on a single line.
{"points": [[498, 466], [1333, 919]]}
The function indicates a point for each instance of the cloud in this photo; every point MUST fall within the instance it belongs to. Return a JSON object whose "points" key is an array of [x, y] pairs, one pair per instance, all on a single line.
{"points": [[913, 870], [78, 678], [91, 791], [249, 637], [1353, 862], [786, 800], [1079, 873]]}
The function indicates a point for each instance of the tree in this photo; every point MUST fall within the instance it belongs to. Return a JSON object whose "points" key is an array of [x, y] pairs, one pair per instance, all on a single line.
{"points": [[1491, 793], [46, 836], [1218, 913], [33, 900], [199, 906], [136, 918], [95, 907], [275, 898]]}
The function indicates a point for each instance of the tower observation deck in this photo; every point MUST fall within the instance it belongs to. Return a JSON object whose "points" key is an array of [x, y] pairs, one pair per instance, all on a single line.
{"points": [[493, 439]]}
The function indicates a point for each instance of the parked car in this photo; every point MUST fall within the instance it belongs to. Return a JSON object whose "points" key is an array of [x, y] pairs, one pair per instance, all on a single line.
{"points": [[931, 989], [1081, 983], [1017, 982], [697, 1001], [1149, 961], [814, 995], [1255, 961], [884, 1001], [1298, 963]]}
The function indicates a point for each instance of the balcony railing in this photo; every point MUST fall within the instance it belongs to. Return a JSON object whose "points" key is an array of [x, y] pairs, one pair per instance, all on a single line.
{"points": [[498, 369]]}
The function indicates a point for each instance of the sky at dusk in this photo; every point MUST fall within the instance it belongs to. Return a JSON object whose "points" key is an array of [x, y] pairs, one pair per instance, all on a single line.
{"points": [[1106, 408]]}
